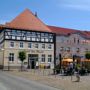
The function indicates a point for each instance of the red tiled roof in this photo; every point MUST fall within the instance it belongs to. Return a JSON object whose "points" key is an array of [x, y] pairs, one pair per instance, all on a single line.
{"points": [[27, 20], [62, 31], [66, 31], [1, 26], [86, 33]]}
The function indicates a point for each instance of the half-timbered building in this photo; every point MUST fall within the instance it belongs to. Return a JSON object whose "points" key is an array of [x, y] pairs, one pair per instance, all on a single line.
{"points": [[27, 33]]}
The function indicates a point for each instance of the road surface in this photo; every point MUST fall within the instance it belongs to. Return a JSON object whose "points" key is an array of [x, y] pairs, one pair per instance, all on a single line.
{"points": [[10, 82]]}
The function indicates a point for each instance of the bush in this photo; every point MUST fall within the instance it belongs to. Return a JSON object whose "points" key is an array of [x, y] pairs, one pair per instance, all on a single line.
{"points": [[87, 55], [57, 69]]}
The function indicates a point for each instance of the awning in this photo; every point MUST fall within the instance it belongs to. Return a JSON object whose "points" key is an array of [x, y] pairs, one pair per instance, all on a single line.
{"points": [[85, 60], [67, 60]]}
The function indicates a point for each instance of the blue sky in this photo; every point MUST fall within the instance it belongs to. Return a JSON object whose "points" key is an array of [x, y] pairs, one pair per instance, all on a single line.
{"points": [[63, 13]]}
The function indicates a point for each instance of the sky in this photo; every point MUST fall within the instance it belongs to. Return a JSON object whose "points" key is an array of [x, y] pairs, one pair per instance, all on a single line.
{"points": [[73, 14]]}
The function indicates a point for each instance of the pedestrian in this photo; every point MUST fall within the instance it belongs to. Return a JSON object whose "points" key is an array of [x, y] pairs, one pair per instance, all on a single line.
{"points": [[77, 77], [77, 73]]}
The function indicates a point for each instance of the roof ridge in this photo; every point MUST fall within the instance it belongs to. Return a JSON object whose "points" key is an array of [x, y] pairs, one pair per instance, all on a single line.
{"points": [[63, 27], [66, 31]]}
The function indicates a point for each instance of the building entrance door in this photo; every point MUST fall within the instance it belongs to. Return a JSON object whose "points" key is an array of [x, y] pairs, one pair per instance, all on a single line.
{"points": [[32, 58]]}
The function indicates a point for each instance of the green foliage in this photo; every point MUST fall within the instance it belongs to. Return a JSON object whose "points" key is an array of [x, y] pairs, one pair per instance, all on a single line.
{"points": [[22, 55], [57, 67], [87, 55]]}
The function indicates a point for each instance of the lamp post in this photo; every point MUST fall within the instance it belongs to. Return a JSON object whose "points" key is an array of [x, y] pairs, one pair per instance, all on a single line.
{"points": [[61, 55], [39, 62], [28, 63], [3, 59]]}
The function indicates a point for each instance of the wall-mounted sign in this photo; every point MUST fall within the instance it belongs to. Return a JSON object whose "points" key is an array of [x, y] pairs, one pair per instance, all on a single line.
{"points": [[35, 51]]}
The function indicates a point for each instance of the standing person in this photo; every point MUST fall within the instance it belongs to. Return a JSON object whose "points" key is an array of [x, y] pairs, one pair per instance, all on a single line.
{"points": [[78, 77], [77, 73], [71, 69]]}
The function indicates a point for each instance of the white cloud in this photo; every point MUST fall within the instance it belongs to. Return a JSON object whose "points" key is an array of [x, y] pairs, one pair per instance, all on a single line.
{"points": [[78, 7], [76, 4]]}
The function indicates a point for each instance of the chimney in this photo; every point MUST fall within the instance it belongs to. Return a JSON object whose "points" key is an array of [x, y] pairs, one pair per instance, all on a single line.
{"points": [[36, 14]]}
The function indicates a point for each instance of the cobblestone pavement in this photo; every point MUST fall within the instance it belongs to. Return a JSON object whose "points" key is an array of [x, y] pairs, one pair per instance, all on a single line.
{"points": [[11, 82], [60, 82]]}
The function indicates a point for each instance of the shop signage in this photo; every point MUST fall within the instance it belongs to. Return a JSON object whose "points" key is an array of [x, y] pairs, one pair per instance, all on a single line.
{"points": [[36, 51]]}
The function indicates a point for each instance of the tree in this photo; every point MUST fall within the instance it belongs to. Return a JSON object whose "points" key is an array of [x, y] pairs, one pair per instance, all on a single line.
{"points": [[87, 55], [87, 63], [22, 57]]}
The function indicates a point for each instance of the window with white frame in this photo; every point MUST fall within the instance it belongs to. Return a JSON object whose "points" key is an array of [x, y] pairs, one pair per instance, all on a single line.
{"points": [[77, 49], [21, 44], [62, 49], [11, 56], [74, 40], [36, 45], [68, 49], [86, 50], [43, 46], [11, 44], [43, 58], [49, 58], [49, 46], [78, 41], [29, 45]]}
